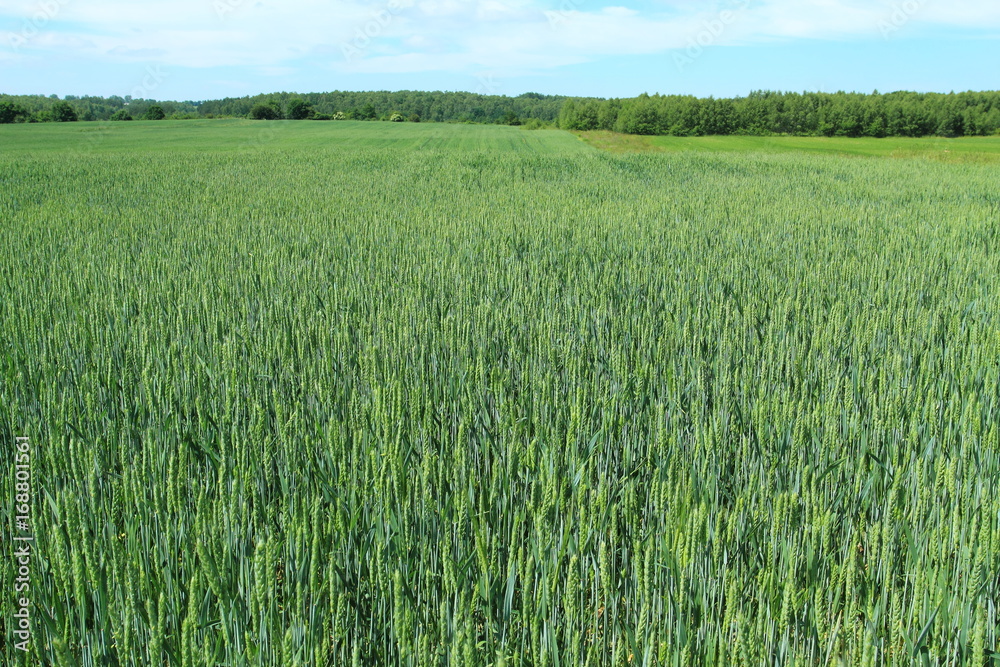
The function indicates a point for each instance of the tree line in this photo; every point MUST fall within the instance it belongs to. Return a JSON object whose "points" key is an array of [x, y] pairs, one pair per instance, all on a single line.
{"points": [[383, 105], [379, 105], [903, 114], [41, 109], [900, 114]]}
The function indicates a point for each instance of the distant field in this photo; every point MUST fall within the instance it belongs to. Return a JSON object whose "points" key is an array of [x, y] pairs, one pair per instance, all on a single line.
{"points": [[372, 394], [235, 135], [964, 149]]}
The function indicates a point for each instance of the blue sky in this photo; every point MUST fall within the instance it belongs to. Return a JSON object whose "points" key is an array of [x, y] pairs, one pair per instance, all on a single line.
{"points": [[204, 49]]}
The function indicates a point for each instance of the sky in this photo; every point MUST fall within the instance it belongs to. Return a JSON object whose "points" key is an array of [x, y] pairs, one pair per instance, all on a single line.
{"points": [[209, 49]]}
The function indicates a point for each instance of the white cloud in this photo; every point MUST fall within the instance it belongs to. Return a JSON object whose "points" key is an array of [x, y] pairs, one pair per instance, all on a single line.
{"points": [[443, 7], [619, 11], [962, 13], [450, 35]]}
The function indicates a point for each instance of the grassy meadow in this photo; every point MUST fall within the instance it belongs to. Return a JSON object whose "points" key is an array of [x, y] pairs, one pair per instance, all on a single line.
{"points": [[170, 138], [961, 149], [371, 393]]}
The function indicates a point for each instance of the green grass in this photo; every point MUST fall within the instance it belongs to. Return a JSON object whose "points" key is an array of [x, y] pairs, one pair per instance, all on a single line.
{"points": [[964, 149], [186, 136], [425, 395]]}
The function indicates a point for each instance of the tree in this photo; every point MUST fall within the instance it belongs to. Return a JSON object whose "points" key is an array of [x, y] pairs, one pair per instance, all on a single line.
{"points": [[154, 112], [396, 118], [568, 115], [121, 114], [608, 115], [10, 112], [299, 109], [587, 116], [62, 112], [510, 118], [951, 124], [640, 117], [265, 111], [414, 118]]}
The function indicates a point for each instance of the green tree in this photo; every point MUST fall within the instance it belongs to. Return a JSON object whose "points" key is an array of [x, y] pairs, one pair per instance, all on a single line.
{"points": [[640, 117], [154, 112], [10, 112], [587, 116], [607, 115], [62, 112], [510, 118], [951, 124], [568, 116], [121, 114], [299, 109], [265, 111]]}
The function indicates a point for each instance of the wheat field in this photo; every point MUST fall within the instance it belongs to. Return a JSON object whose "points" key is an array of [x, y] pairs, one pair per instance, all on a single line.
{"points": [[316, 394]]}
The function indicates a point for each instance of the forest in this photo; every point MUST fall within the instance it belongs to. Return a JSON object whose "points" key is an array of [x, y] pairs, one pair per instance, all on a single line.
{"points": [[379, 105], [900, 114], [841, 114]]}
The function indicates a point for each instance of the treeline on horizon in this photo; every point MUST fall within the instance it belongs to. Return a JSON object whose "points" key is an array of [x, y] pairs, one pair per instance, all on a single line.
{"points": [[461, 107], [437, 107], [900, 114], [42, 109]]}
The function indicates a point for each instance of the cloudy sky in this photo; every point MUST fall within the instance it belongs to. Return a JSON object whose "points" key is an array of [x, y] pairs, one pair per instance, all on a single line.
{"points": [[203, 49]]}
